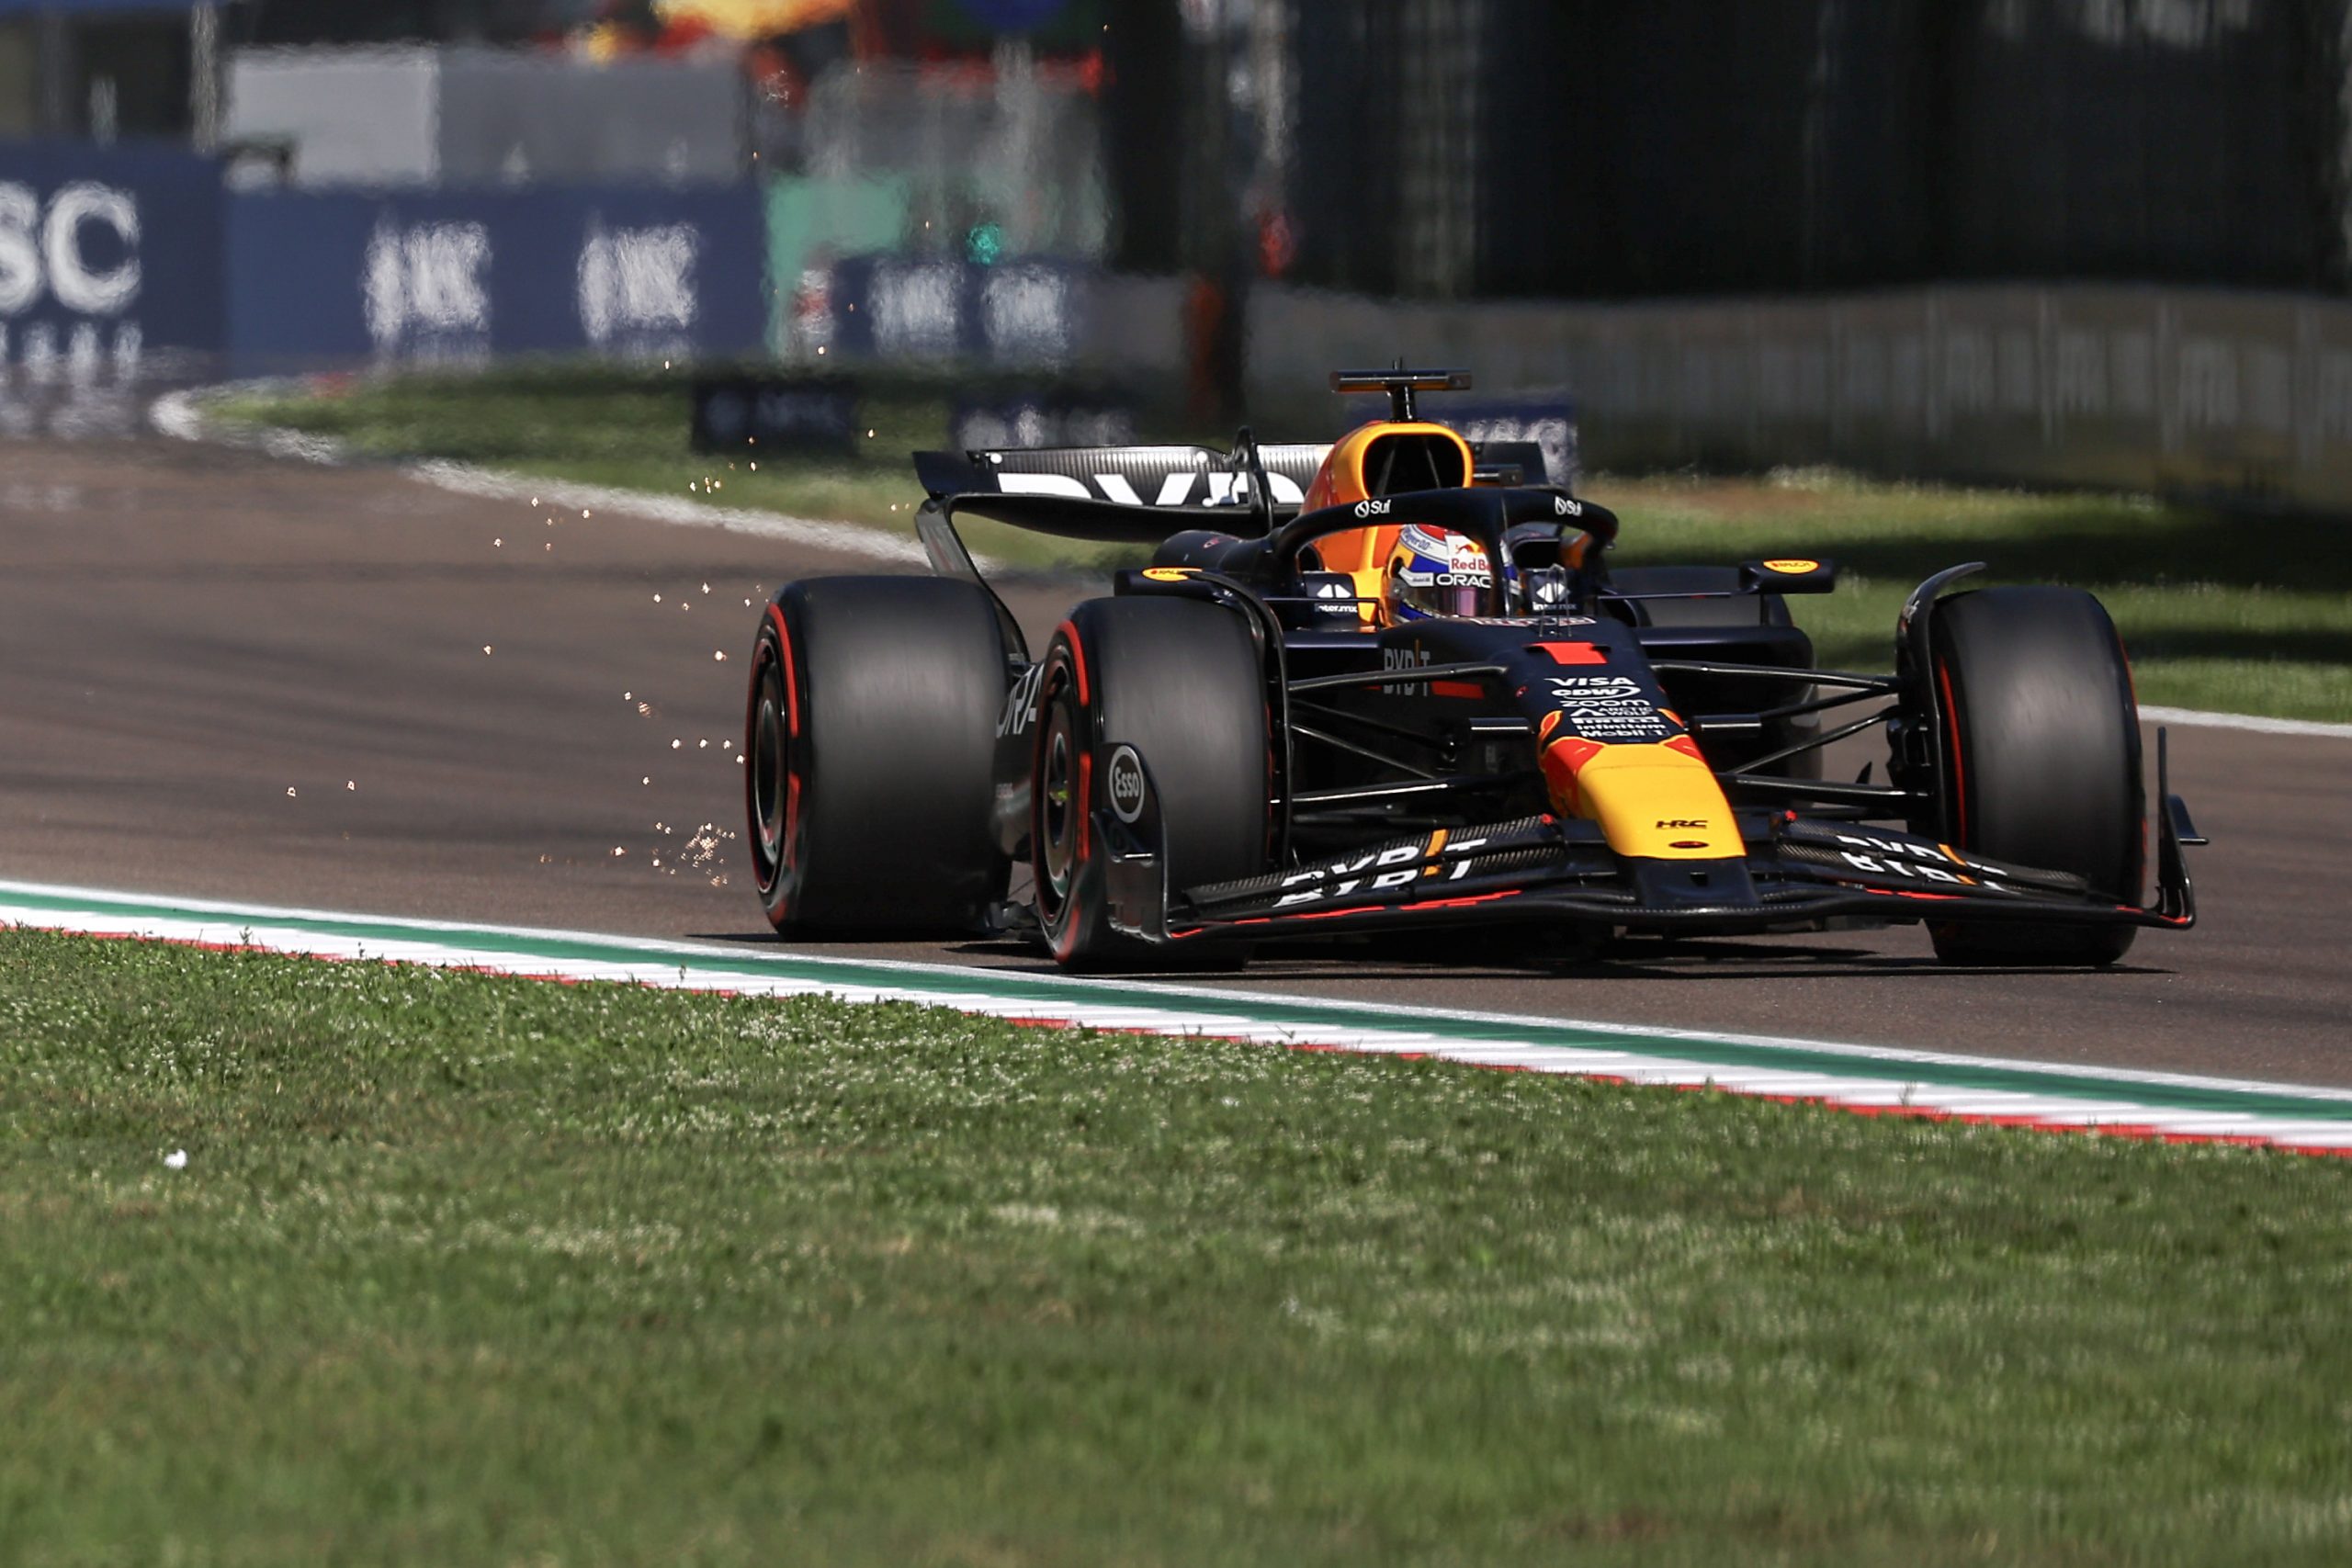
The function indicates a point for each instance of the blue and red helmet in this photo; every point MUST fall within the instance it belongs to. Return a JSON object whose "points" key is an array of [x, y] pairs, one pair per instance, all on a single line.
{"points": [[1435, 573]]}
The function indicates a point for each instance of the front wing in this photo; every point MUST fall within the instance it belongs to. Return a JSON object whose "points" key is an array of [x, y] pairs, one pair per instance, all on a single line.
{"points": [[1796, 872]]}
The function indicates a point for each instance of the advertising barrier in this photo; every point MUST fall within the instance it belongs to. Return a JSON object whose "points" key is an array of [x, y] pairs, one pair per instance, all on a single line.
{"points": [[775, 414], [109, 263], [318, 280], [1027, 314]]}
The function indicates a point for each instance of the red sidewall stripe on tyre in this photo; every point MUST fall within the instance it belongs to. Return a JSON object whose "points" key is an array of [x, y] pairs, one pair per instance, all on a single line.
{"points": [[1958, 771]]}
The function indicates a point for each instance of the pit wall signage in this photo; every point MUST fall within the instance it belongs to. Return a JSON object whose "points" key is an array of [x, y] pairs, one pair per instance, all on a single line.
{"points": [[110, 264], [333, 279]]}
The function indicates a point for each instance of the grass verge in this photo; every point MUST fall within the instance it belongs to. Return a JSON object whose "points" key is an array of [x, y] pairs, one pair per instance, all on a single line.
{"points": [[627, 428], [2244, 614], [465, 1269]]}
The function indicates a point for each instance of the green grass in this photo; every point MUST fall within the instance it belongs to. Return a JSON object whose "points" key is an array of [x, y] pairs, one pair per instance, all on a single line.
{"points": [[470, 1270], [2252, 615]]}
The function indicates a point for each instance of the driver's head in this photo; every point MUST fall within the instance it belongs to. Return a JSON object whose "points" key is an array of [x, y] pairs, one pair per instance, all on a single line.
{"points": [[1434, 571]]}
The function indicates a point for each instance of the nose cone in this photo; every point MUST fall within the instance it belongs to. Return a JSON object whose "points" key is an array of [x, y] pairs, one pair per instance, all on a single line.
{"points": [[1653, 801]]}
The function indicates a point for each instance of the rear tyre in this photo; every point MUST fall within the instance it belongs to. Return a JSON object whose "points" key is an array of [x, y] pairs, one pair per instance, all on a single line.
{"points": [[869, 745], [1179, 680], [2042, 739]]}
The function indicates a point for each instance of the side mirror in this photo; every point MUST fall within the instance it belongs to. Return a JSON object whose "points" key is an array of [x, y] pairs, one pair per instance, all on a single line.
{"points": [[1786, 574]]}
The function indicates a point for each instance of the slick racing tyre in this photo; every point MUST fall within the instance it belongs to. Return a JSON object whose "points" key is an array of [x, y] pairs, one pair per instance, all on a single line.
{"points": [[2042, 745], [870, 745], [1179, 680]]}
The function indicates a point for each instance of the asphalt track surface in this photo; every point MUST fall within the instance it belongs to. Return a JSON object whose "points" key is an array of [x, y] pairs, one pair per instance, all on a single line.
{"points": [[223, 675]]}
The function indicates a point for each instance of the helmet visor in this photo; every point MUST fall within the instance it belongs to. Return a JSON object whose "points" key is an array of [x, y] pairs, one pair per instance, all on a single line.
{"points": [[1445, 592]]}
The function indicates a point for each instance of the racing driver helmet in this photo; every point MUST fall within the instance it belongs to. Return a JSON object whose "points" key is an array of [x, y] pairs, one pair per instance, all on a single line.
{"points": [[1434, 572]]}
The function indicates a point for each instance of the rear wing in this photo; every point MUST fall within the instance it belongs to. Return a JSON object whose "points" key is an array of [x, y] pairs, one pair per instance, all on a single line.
{"points": [[1124, 476], [1143, 494]]}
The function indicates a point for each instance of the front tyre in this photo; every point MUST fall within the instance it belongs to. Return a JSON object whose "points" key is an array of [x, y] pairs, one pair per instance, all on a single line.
{"points": [[2042, 742], [1179, 680], [870, 747]]}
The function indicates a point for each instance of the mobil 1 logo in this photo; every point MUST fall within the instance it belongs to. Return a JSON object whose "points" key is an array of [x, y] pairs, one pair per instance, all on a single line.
{"points": [[1608, 708]]}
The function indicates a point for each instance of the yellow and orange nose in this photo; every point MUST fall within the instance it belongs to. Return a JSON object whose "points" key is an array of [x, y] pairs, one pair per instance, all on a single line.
{"points": [[1656, 800]]}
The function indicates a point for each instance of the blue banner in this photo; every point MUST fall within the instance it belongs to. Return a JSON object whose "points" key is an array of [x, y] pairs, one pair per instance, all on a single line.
{"points": [[316, 280], [109, 260], [901, 308]]}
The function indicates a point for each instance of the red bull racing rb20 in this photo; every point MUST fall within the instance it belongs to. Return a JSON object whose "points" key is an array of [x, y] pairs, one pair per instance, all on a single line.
{"points": [[1388, 683]]}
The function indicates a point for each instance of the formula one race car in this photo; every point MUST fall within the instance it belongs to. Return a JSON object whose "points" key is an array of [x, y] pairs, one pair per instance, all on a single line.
{"points": [[1388, 683]]}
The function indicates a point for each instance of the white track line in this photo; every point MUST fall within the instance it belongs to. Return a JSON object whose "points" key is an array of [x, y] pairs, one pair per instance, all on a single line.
{"points": [[2197, 718], [181, 416], [841, 539]]}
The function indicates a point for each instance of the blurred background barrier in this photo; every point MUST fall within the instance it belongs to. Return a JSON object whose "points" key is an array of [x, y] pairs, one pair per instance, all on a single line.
{"points": [[109, 263], [458, 115], [998, 158], [319, 281], [2073, 242], [812, 224], [2236, 395], [1598, 149], [1032, 313], [766, 414]]}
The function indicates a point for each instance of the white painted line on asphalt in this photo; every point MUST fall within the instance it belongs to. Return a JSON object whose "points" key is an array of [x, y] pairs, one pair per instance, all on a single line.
{"points": [[562, 495], [2198, 718], [181, 416]]}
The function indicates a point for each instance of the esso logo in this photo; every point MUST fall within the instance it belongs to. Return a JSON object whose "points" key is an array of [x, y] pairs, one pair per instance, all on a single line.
{"points": [[1124, 777], [1371, 508], [81, 248]]}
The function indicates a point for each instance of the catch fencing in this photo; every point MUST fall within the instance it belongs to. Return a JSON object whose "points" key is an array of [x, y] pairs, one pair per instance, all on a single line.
{"points": [[2240, 396], [1599, 149]]}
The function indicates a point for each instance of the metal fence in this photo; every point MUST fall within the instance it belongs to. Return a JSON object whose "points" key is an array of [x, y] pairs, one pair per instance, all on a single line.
{"points": [[2242, 395], [1591, 147]]}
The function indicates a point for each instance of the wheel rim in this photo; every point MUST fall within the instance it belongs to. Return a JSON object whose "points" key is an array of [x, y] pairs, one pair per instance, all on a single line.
{"points": [[1058, 808], [770, 788]]}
